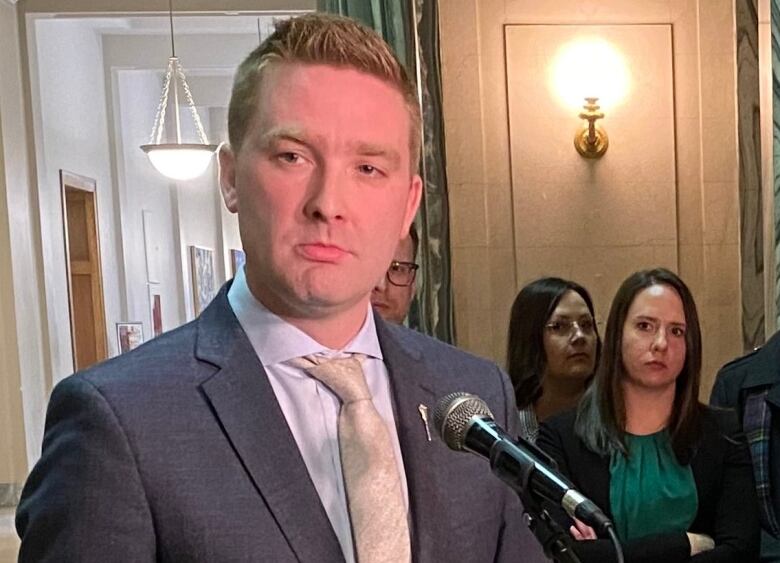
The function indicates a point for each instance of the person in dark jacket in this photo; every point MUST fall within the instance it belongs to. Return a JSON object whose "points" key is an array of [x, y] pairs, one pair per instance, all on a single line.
{"points": [[673, 474], [751, 386]]}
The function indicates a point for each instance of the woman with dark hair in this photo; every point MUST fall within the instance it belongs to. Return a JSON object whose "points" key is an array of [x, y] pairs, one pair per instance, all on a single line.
{"points": [[673, 474], [553, 348]]}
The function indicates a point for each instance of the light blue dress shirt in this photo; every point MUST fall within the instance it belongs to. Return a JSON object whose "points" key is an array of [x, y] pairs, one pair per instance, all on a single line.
{"points": [[310, 408]]}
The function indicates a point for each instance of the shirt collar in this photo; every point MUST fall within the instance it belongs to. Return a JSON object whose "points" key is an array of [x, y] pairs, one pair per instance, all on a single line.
{"points": [[275, 340]]}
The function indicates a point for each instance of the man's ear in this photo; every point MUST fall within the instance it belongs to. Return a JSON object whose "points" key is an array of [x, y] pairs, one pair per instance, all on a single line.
{"points": [[412, 204], [227, 177]]}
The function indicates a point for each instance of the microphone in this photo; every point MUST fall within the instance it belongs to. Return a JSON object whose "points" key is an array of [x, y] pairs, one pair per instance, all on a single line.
{"points": [[464, 422]]}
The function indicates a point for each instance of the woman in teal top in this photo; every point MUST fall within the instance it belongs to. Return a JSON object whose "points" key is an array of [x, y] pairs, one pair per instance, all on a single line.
{"points": [[650, 492], [674, 475]]}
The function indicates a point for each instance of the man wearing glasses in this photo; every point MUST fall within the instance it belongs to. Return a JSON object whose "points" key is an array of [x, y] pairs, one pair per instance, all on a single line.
{"points": [[393, 294]]}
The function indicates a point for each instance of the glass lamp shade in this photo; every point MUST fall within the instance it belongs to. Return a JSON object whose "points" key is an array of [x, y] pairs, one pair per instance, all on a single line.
{"points": [[180, 161]]}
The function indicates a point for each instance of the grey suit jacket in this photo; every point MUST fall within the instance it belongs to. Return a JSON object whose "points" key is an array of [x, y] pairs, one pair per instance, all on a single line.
{"points": [[179, 451]]}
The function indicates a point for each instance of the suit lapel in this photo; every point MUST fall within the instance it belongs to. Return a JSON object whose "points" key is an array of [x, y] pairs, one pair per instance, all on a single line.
{"points": [[411, 387], [244, 402]]}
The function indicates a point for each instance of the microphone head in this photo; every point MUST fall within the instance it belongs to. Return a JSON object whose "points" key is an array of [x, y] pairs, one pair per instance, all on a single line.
{"points": [[453, 415]]}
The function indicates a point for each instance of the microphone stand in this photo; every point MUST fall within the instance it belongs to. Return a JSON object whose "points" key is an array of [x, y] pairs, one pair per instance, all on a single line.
{"points": [[555, 541]]}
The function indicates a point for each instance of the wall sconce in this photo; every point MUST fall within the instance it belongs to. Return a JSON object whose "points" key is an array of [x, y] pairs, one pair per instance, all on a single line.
{"points": [[591, 141], [592, 70]]}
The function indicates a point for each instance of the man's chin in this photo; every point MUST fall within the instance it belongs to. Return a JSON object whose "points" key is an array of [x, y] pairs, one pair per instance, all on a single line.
{"points": [[325, 304]]}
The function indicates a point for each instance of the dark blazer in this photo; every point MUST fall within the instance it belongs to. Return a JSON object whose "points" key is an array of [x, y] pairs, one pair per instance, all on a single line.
{"points": [[179, 451], [727, 512], [757, 371]]}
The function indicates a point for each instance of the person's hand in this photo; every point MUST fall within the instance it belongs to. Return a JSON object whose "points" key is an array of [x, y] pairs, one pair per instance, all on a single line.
{"points": [[699, 543], [582, 532]]}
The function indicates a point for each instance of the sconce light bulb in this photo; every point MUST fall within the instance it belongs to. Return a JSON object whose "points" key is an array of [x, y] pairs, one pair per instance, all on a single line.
{"points": [[589, 67]]}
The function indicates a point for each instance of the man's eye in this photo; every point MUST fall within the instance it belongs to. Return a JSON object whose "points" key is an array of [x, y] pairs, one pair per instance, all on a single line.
{"points": [[289, 157], [368, 170]]}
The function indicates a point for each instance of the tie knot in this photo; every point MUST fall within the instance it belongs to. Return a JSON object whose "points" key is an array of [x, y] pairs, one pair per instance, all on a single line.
{"points": [[343, 376]]}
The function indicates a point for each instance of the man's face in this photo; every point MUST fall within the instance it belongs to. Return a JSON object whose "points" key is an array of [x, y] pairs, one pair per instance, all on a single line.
{"points": [[392, 301], [322, 186]]}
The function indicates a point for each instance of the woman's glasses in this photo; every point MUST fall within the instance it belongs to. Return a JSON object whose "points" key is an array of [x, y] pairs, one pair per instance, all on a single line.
{"points": [[566, 327]]}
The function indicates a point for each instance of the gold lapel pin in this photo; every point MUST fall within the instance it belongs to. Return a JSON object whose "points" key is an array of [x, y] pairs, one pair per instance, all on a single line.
{"points": [[424, 416]]}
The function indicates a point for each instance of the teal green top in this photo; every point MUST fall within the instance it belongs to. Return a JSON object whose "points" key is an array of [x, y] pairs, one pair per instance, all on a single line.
{"points": [[649, 491]]}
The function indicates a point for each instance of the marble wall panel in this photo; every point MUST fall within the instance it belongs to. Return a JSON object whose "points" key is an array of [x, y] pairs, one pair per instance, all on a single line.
{"points": [[750, 188]]}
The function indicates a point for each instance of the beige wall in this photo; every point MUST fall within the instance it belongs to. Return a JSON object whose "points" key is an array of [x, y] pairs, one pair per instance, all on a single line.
{"points": [[700, 237], [22, 400], [12, 463]]}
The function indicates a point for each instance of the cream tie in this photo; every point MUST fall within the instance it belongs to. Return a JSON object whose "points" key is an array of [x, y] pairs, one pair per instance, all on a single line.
{"points": [[374, 496]]}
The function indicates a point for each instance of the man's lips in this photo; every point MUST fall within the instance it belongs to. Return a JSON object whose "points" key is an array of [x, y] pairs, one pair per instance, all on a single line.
{"points": [[322, 252]]}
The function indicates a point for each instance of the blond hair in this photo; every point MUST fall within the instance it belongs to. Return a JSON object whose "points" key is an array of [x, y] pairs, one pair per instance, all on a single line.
{"points": [[321, 39]]}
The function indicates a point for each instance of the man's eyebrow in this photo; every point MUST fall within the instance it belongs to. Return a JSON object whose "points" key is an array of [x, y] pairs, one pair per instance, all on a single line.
{"points": [[382, 151], [294, 134]]}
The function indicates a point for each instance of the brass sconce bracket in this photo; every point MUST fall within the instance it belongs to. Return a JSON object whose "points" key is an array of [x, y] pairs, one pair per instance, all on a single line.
{"points": [[591, 141]]}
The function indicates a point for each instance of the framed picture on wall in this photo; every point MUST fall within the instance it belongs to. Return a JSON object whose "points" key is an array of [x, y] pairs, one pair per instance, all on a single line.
{"points": [[155, 310], [129, 335], [237, 259], [203, 285]]}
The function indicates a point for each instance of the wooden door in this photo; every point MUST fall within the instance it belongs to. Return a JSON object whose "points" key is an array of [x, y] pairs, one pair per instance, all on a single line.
{"points": [[85, 283]]}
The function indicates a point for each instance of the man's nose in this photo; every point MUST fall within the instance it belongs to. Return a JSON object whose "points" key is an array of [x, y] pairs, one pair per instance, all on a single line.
{"points": [[326, 201]]}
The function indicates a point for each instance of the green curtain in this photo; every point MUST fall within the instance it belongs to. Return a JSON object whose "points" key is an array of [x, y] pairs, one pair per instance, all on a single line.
{"points": [[388, 18], [411, 27]]}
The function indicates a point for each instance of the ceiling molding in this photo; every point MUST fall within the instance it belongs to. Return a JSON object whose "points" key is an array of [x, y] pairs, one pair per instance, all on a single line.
{"points": [[9, 2]]}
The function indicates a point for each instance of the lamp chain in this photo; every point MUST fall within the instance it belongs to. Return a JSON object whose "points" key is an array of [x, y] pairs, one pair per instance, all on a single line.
{"points": [[159, 117], [191, 104], [175, 72]]}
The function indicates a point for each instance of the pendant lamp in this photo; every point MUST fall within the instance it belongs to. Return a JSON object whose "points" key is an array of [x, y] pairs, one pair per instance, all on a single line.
{"points": [[177, 160]]}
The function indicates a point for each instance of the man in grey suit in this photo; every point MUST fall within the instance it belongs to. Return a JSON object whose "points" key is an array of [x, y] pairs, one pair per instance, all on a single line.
{"points": [[212, 443]]}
